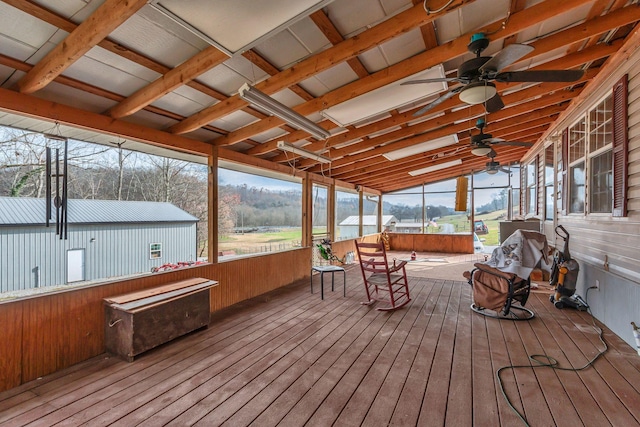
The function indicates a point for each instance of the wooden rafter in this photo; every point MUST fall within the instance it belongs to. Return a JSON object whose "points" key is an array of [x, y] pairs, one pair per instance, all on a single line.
{"points": [[109, 16]]}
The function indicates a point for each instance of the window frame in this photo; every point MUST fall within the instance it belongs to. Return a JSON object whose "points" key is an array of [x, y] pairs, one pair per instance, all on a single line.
{"points": [[152, 250]]}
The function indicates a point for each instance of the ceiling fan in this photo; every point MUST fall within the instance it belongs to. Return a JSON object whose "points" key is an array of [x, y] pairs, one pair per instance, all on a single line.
{"points": [[477, 74], [482, 142], [493, 167]]}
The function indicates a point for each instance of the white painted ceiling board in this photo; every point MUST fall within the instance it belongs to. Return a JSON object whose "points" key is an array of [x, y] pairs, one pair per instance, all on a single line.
{"points": [[282, 50], [269, 135], [98, 69], [23, 28], [238, 25], [392, 7], [76, 10], [176, 103], [155, 40], [354, 16], [76, 98], [246, 70], [332, 78], [224, 79], [235, 120], [309, 35], [400, 48], [16, 50]]}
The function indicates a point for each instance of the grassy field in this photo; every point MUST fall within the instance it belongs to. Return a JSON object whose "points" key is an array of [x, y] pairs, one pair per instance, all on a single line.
{"points": [[291, 237]]}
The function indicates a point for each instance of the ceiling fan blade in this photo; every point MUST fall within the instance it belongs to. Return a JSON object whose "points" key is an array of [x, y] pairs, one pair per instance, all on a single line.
{"points": [[541, 76], [437, 80], [437, 101], [494, 104], [505, 57], [505, 170]]}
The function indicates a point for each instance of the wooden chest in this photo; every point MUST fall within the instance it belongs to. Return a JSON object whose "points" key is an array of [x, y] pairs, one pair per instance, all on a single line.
{"points": [[139, 321]]}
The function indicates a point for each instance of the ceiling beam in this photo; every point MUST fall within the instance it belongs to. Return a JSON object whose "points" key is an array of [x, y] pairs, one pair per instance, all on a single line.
{"points": [[31, 106], [324, 60], [202, 62], [420, 62], [569, 61], [330, 31], [109, 16]]}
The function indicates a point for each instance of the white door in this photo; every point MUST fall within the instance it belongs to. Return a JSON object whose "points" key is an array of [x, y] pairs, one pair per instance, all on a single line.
{"points": [[75, 265]]}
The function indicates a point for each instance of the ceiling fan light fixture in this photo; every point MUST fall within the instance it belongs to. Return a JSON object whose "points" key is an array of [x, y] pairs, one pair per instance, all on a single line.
{"points": [[481, 150], [478, 93], [492, 171]]}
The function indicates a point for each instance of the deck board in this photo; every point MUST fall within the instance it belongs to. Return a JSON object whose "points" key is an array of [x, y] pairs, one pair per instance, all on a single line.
{"points": [[291, 359]]}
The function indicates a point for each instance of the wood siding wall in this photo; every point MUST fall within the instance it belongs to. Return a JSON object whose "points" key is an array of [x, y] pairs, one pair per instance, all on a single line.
{"points": [[596, 237], [48, 332], [605, 246]]}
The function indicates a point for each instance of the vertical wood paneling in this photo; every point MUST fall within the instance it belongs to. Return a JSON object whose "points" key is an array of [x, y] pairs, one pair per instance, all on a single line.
{"points": [[49, 332], [11, 347]]}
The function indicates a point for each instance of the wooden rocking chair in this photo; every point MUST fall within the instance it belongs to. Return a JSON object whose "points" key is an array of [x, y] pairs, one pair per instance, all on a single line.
{"points": [[382, 282]]}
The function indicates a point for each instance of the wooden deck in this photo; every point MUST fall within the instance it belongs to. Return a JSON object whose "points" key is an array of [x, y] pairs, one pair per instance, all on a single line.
{"points": [[290, 359]]}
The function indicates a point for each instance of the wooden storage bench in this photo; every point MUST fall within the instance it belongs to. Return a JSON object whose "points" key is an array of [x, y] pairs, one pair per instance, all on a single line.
{"points": [[139, 321]]}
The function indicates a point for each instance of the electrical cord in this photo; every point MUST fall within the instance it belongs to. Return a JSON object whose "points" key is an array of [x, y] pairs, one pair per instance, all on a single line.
{"points": [[429, 11], [550, 363]]}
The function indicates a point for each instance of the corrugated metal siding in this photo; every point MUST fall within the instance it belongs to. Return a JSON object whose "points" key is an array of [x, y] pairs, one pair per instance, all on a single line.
{"points": [[31, 254]]}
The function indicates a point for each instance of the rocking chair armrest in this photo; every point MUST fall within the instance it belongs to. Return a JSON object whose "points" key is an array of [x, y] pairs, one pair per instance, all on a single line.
{"points": [[398, 266]]}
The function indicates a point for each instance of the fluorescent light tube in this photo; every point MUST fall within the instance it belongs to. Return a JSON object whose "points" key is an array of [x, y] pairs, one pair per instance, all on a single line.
{"points": [[436, 167], [271, 106], [422, 147], [302, 152]]}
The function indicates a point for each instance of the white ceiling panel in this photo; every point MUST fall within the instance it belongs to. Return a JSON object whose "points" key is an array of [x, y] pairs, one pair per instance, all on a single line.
{"points": [[76, 10], [391, 7], [330, 79], [224, 79], [354, 16], [16, 50], [235, 120], [156, 36], [23, 28], [76, 98], [282, 50], [104, 69], [269, 135], [236, 26], [396, 50], [309, 35], [248, 72], [177, 103], [195, 96], [565, 20]]}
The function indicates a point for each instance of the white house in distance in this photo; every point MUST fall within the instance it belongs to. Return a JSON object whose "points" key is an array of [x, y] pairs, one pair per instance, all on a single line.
{"points": [[105, 239], [348, 228]]}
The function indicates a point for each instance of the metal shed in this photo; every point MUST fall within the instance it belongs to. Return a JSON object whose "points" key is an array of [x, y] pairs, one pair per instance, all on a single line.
{"points": [[106, 239]]}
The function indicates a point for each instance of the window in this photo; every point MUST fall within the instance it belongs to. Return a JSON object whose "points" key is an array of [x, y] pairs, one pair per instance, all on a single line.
{"points": [[406, 208], [370, 214], [155, 250], [258, 211], [600, 161], [577, 147], [591, 147], [347, 215], [320, 207], [531, 184], [121, 203], [549, 173]]}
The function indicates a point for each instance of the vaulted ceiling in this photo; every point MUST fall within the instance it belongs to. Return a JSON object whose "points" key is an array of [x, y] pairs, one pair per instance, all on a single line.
{"points": [[165, 74]]}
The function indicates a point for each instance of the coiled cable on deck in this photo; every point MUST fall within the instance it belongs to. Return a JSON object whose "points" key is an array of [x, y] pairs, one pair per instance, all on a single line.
{"points": [[545, 361]]}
